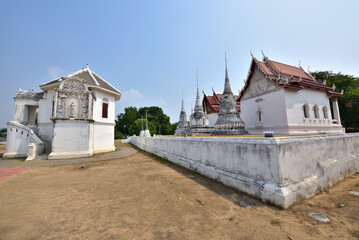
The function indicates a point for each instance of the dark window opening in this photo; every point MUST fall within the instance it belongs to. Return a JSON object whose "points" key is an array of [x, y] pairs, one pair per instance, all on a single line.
{"points": [[104, 110]]}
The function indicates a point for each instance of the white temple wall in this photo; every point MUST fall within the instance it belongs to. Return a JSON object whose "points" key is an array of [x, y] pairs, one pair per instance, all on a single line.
{"points": [[21, 113], [16, 142], [71, 139], [103, 137], [45, 124], [273, 113], [212, 118], [279, 170], [97, 107], [294, 104]]}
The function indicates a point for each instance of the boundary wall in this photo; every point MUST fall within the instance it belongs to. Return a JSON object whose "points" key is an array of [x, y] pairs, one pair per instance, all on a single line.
{"points": [[281, 170]]}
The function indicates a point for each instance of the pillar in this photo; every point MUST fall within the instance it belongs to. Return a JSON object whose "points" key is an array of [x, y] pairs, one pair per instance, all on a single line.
{"points": [[336, 110]]}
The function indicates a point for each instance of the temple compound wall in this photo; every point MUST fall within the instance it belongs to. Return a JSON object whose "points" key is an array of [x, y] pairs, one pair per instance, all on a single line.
{"points": [[281, 170]]}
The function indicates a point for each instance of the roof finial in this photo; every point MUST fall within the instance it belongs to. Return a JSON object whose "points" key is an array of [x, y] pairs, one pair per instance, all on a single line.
{"points": [[308, 69], [299, 64], [264, 56], [250, 51], [146, 120], [87, 66]]}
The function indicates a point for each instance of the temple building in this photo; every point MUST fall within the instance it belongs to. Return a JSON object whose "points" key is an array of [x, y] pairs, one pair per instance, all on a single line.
{"points": [[211, 105], [199, 123], [287, 100], [73, 116], [228, 121], [182, 126]]}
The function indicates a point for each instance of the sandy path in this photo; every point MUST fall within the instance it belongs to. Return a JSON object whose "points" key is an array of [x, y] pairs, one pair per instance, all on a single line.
{"points": [[143, 197]]}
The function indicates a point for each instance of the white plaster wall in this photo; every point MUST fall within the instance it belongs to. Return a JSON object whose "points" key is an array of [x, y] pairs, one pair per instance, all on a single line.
{"points": [[72, 138], [16, 142], [280, 170], [103, 137], [97, 107], [294, 101], [21, 111], [212, 117], [45, 124], [273, 112]]}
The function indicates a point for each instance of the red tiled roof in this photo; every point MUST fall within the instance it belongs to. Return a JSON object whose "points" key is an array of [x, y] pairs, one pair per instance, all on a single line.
{"points": [[210, 101], [289, 70], [265, 68], [289, 77]]}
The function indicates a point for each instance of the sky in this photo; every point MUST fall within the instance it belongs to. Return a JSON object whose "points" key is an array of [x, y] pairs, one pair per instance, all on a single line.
{"points": [[150, 49]]}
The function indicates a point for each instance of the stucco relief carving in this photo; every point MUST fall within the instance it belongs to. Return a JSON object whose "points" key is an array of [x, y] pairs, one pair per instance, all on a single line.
{"points": [[73, 84], [81, 109], [259, 86]]}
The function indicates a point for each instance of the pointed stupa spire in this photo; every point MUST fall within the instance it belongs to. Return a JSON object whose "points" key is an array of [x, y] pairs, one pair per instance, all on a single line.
{"points": [[182, 109], [197, 97], [146, 121], [198, 105], [227, 86]]}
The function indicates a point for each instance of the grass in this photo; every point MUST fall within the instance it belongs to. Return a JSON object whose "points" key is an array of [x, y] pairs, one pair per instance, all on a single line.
{"points": [[275, 222]]}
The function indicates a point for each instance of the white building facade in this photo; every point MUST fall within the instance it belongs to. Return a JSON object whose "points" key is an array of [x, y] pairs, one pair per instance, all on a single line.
{"points": [[73, 117], [287, 100]]}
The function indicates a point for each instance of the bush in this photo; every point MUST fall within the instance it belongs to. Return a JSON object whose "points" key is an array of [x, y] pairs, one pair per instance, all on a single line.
{"points": [[135, 127], [119, 135]]}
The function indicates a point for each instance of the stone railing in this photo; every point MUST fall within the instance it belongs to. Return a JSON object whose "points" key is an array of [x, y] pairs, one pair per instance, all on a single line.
{"points": [[22, 142]]}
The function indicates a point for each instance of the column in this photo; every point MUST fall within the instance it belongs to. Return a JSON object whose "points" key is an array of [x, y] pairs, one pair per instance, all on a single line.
{"points": [[336, 110]]}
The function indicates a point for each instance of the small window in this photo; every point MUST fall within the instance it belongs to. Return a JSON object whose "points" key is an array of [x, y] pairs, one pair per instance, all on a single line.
{"points": [[104, 110], [306, 110], [259, 115], [325, 112], [316, 111]]}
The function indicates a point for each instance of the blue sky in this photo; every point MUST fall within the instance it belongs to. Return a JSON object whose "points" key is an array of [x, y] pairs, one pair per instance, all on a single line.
{"points": [[150, 50]]}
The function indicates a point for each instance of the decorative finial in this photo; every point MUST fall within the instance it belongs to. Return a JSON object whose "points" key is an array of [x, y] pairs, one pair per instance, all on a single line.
{"points": [[250, 51], [308, 69], [264, 56], [333, 87], [87, 66], [146, 120], [299, 64]]}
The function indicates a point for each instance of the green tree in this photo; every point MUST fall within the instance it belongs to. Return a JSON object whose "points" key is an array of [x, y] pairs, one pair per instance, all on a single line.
{"points": [[172, 128], [124, 120], [156, 116], [349, 102], [135, 127]]}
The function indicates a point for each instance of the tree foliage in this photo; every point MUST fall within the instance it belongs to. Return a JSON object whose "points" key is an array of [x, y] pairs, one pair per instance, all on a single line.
{"points": [[135, 127], [124, 120], [155, 115], [349, 102], [172, 128]]}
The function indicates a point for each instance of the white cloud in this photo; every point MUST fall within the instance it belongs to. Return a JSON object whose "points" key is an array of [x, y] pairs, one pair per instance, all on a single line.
{"points": [[55, 72], [131, 95]]}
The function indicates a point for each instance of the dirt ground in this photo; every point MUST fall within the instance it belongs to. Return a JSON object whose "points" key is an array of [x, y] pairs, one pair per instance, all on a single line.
{"points": [[145, 197]]}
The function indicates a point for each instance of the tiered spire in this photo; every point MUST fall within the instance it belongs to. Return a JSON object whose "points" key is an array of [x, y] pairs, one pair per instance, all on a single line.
{"points": [[227, 86]]}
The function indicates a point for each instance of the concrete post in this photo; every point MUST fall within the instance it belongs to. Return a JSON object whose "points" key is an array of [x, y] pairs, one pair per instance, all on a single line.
{"points": [[336, 110]]}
